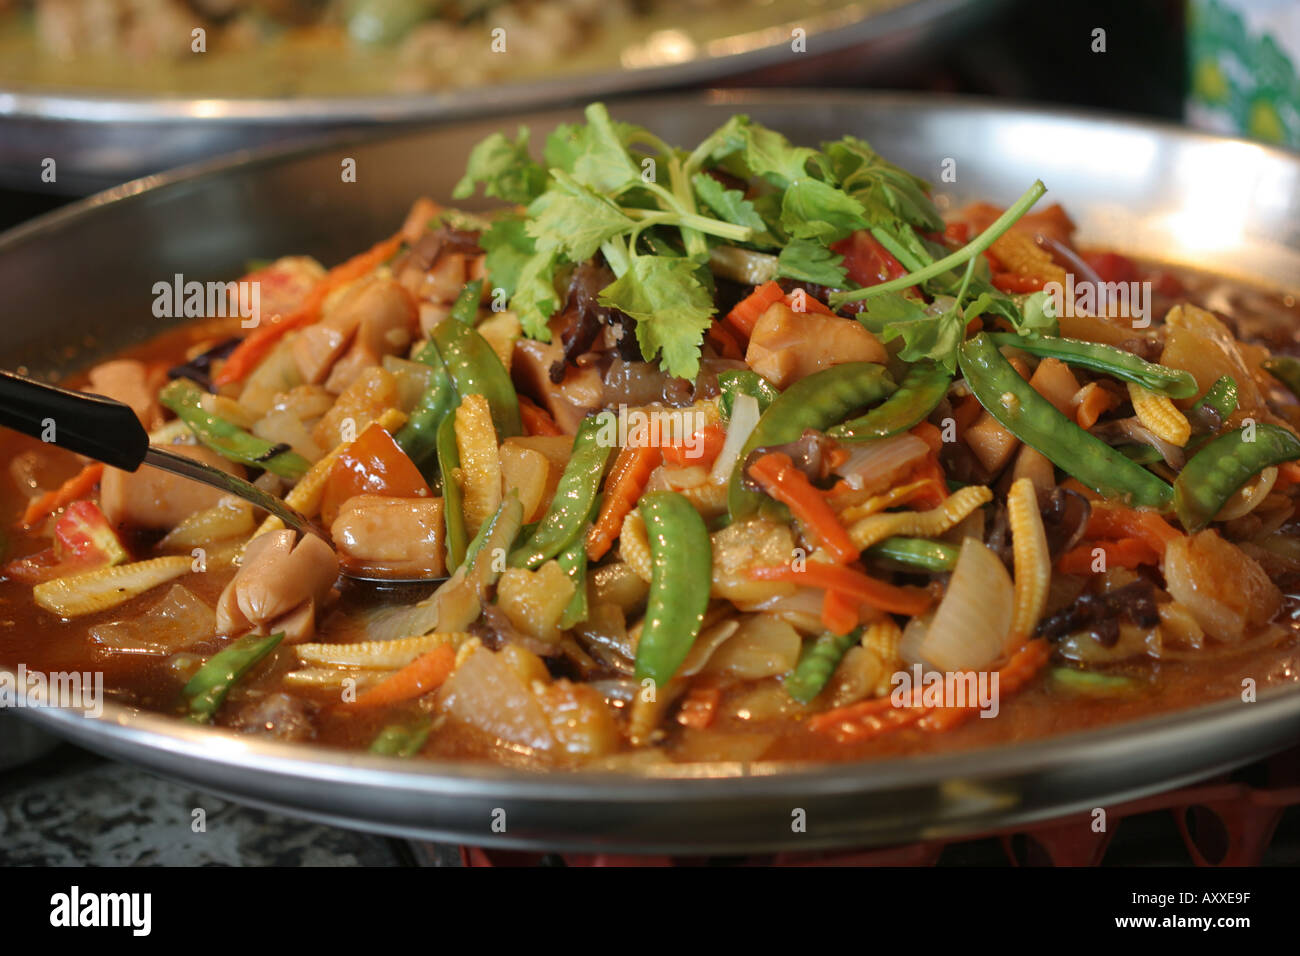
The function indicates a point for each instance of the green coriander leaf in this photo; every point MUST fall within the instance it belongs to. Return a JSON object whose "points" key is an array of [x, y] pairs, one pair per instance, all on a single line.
{"points": [[574, 220], [504, 168], [881, 185], [672, 308], [594, 154], [924, 335], [535, 300], [764, 152], [508, 247], [810, 261], [1037, 314], [732, 206], [810, 209]]}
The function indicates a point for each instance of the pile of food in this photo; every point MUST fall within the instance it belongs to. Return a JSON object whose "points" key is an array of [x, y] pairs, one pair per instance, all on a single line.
{"points": [[738, 452], [281, 48]]}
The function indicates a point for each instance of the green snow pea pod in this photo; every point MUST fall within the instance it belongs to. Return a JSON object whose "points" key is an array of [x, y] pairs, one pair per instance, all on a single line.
{"points": [[1092, 683], [465, 308], [1037, 423], [917, 553], [1221, 397], [419, 436], [921, 389], [1286, 370], [207, 689], [575, 495], [817, 662], [681, 561], [1215, 472], [227, 439], [744, 382], [1105, 359], [476, 370], [401, 740], [818, 401], [573, 561], [453, 513]]}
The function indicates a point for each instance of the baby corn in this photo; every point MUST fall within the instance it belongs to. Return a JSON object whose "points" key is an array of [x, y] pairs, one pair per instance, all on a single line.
{"points": [[1159, 415]]}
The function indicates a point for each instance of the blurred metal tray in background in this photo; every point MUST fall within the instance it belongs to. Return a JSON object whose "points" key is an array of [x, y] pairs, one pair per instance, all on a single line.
{"points": [[100, 140], [1146, 189]]}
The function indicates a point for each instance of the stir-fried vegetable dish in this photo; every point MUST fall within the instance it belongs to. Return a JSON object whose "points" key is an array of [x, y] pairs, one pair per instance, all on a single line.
{"points": [[739, 450]]}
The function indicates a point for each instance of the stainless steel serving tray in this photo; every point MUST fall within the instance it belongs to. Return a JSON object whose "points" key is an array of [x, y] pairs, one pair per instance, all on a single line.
{"points": [[78, 282], [102, 139]]}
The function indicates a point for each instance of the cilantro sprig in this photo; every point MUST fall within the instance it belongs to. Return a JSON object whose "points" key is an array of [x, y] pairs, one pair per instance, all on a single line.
{"points": [[659, 216]]}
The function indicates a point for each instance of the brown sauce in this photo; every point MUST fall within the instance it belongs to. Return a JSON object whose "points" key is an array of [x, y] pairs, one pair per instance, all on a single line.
{"points": [[756, 721]]}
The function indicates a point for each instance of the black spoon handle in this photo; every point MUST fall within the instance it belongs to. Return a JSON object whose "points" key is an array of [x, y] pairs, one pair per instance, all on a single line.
{"points": [[90, 425]]}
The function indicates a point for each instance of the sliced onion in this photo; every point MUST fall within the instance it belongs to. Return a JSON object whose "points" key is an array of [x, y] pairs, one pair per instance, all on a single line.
{"points": [[763, 646], [802, 610], [879, 462], [972, 621], [744, 417], [485, 692], [1134, 430], [1247, 498]]}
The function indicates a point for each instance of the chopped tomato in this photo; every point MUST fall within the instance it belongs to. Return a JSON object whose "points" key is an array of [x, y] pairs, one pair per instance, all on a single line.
{"points": [[866, 261], [82, 534], [958, 232], [1112, 267], [374, 464], [702, 449]]}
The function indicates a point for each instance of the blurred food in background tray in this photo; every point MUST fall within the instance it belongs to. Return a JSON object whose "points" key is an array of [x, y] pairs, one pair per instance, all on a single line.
{"points": [[357, 47]]}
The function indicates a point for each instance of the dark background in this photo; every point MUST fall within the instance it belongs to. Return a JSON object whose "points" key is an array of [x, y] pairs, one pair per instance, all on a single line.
{"points": [[1035, 50]]}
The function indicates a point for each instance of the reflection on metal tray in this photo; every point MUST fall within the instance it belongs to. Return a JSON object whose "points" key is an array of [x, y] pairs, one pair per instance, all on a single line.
{"points": [[1138, 188], [100, 139]]}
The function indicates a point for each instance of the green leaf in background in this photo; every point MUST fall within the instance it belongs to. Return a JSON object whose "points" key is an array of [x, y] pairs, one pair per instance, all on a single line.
{"points": [[594, 154], [504, 169]]}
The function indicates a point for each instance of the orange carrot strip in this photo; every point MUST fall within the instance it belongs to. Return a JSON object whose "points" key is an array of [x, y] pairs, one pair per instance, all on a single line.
{"points": [[746, 312], [725, 342], [1119, 521], [1124, 553], [1288, 474], [810, 303], [929, 434], [424, 674], [78, 486], [537, 420], [627, 480], [836, 577], [700, 706], [777, 476], [1094, 402], [708, 442], [259, 343], [1013, 675], [864, 720], [840, 612], [871, 718]]}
